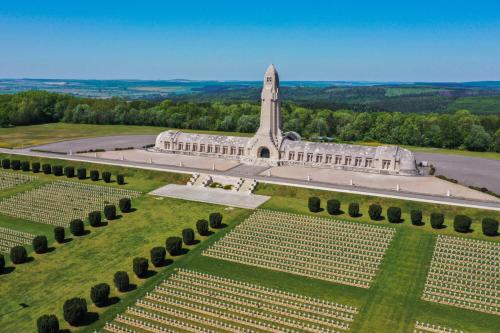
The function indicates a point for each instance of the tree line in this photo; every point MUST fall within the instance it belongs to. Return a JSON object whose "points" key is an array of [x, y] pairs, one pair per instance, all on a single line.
{"points": [[459, 130]]}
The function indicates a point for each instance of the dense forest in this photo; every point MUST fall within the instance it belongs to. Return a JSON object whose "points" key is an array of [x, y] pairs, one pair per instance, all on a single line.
{"points": [[460, 129]]}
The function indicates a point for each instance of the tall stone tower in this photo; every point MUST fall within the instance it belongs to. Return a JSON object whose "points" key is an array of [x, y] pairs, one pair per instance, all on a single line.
{"points": [[266, 142]]}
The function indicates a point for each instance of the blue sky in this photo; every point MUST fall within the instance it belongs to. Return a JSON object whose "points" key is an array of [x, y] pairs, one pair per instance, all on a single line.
{"points": [[436, 40]]}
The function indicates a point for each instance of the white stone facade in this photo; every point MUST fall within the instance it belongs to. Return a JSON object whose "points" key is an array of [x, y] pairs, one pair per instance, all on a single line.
{"points": [[270, 146]]}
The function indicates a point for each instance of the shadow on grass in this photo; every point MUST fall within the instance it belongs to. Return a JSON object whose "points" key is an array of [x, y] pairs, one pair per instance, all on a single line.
{"points": [[131, 286], [196, 241], [67, 240], [181, 252], [439, 227], [165, 262], [50, 249], [149, 274], [378, 219], [418, 224], [111, 301], [131, 210], [7, 270], [90, 318]]}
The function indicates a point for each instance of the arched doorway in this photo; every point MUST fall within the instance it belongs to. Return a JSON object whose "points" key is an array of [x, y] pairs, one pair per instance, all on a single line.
{"points": [[264, 152]]}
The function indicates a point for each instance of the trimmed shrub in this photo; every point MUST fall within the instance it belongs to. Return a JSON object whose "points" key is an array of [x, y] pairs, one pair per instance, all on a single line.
{"points": [[94, 175], [173, 245], [333, 207], [57, 170], [69, 171], [110, 212], [188, 236], [462, 223], [394, 214], [59, 234], [375, 212], [158, 256], [490, 226], [35, 167], [95, 218], [18, 255], [25, 166], [99, 294], [125, 205], [81, 173], [437, 220], [121, 281], [202, 227], [140, 267], [2, 263], [47, 324], [46, 168], [77, 228], [120, 179], [416, 217], [215, 220], [106, 176], [6, 163], [75, 310], [314, 204], [353, 209], [40, 244], [15, 164]]}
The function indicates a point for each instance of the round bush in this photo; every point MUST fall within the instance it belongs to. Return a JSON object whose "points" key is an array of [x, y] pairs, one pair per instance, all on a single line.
{"points": [[120, 179], [215, 220], [333, 207], [75, 311], [437, 220], [99, 294], [81, 173], [490, 226], [69, 171], [140, 267], [57, 170], [40, 244], [2, 263], [394, 214], [59, 234], [15, 164], [77, 228], [18, 255], [35, 167], [158, 256], [125, 205], [6, 163], [375, 212], [110, 212], [25, 165], [47, 324], [314, 204], [95, 218], [462, 223], [188, 236], [173, 245], [202, 227], [46, 168], [416, 217], [106, 176], [94, 175], [353, 209], [121, 281]]}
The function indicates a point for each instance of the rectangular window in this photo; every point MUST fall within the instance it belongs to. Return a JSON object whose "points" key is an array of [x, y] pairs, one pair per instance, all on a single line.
{"points": [[240, 151], [357, 161], [291, 156], [233, 150], [368, 163], [319, 158], [179, 146], [167, 145], [338, 159], [188, 146], [217, 149], [300, 156], [386, 164], [347, 160], [224, 150], [202, 148], [328, 159], [210, 149], [195, 148]]}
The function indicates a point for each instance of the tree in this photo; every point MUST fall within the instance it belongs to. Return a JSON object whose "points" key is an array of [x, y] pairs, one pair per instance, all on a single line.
{"points": [[35, 167], [2, 263], [121, 281], [110, 212], [478, 139], [81, 173], [120, 179], [75, 310], [18, 255], [57, 170], [94, 175], [25, 166], [353, 209], [46, 168], [6, 163], [375, 212], [462, 223], [40, 244], [158, 256], [188, 236], [99, 294], [59, 234], [490, 226], [125, 205], [47, 324], [314, 204], [215, 220], [15, 164], [77, 228], [437, 220], [106, 176], [333, 207], [202, 227], [69, 171], [394, 214], [416, 217], [173, 245], [95, 218], [140, 267]]}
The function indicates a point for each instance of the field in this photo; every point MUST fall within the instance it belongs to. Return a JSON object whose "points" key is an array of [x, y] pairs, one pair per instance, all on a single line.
{"points": [[392, 303]]}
